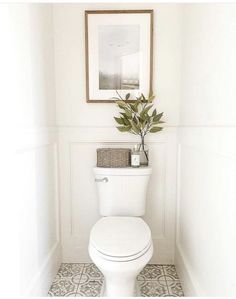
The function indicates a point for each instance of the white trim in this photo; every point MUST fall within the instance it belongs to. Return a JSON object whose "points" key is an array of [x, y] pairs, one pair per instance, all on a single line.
{"points": [[178, 184], [189, 283], [28, 139], [57, 194], [181, 264], [41, 282], [31, 139]]}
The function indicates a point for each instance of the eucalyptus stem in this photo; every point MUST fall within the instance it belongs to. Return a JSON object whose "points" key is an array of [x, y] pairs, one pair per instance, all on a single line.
{"points": [[140, 118]]}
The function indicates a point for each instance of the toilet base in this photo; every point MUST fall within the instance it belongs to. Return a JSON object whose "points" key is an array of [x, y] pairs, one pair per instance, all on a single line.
{"points": [[137, 292], [120, 277]]}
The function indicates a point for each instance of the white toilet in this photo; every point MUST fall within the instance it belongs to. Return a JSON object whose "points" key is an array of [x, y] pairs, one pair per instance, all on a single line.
{"points": [[120, 242]]}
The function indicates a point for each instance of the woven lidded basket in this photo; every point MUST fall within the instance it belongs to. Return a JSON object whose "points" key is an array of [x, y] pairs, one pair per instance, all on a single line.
{"points": [[113, 157]]}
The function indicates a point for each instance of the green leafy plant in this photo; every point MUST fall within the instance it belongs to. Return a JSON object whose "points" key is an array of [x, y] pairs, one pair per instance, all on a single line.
{"points": [[138, 117]]}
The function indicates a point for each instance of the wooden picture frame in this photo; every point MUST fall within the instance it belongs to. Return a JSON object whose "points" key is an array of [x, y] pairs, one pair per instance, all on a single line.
{"points": [[119, 54]]}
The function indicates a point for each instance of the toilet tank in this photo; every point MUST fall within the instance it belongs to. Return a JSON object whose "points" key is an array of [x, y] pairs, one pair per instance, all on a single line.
{"points": [[122, 191]]}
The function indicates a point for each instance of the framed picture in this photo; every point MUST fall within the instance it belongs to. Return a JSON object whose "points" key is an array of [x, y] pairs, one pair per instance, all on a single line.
{"points": [[118, 54]]}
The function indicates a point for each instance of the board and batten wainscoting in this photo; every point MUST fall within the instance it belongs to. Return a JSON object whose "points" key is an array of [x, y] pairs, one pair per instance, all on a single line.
{"points": [[40, 248], [79, 202], [30, 27]]}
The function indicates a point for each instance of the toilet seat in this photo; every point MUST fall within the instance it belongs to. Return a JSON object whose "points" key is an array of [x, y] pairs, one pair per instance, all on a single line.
{"points": [[120, 238], [121, 259]]}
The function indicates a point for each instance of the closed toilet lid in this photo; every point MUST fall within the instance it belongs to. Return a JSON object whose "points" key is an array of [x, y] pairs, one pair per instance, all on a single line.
{"points": [[120, 236]]}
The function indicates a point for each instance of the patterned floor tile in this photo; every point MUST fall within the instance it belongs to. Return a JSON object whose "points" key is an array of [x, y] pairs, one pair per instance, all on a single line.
{"points": [[69, 270], [151, 288], [92, 271], [86, 280], [90, 282], [63, 287], [92, 288], [152, 272], [175, 289], [170, 272]]}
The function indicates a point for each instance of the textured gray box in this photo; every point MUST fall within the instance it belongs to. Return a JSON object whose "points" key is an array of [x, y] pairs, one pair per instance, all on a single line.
{"points": [[113, 157]]}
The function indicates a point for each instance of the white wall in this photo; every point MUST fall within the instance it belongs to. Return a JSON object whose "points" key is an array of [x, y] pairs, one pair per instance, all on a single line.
{"points": [[83, 127], [29, 27], [72, 109], [206, 231]]}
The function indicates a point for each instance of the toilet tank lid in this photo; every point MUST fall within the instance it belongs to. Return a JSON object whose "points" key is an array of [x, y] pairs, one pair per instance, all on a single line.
{"points": [[120, 236], [144, 170]]}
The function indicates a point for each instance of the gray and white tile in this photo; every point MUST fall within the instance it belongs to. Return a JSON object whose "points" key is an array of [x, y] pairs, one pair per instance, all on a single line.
{"points": [[152, 288], [63, 287], [90, 288], [175, 289], [152, 272], [86, 280], [170, 272], [92, 271], [68, 270]]}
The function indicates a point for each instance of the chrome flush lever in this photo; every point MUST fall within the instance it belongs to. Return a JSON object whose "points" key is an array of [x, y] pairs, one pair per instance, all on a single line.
{"points": [[103, 180]]}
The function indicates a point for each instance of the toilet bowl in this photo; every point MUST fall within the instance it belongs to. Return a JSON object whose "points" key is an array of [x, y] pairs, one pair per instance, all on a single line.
{"points": [[120, 242], [120, 247]]}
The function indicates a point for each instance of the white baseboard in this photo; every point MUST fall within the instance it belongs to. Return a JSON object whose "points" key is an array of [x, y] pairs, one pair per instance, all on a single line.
{"points": [[189, 284], [41, 283]]}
